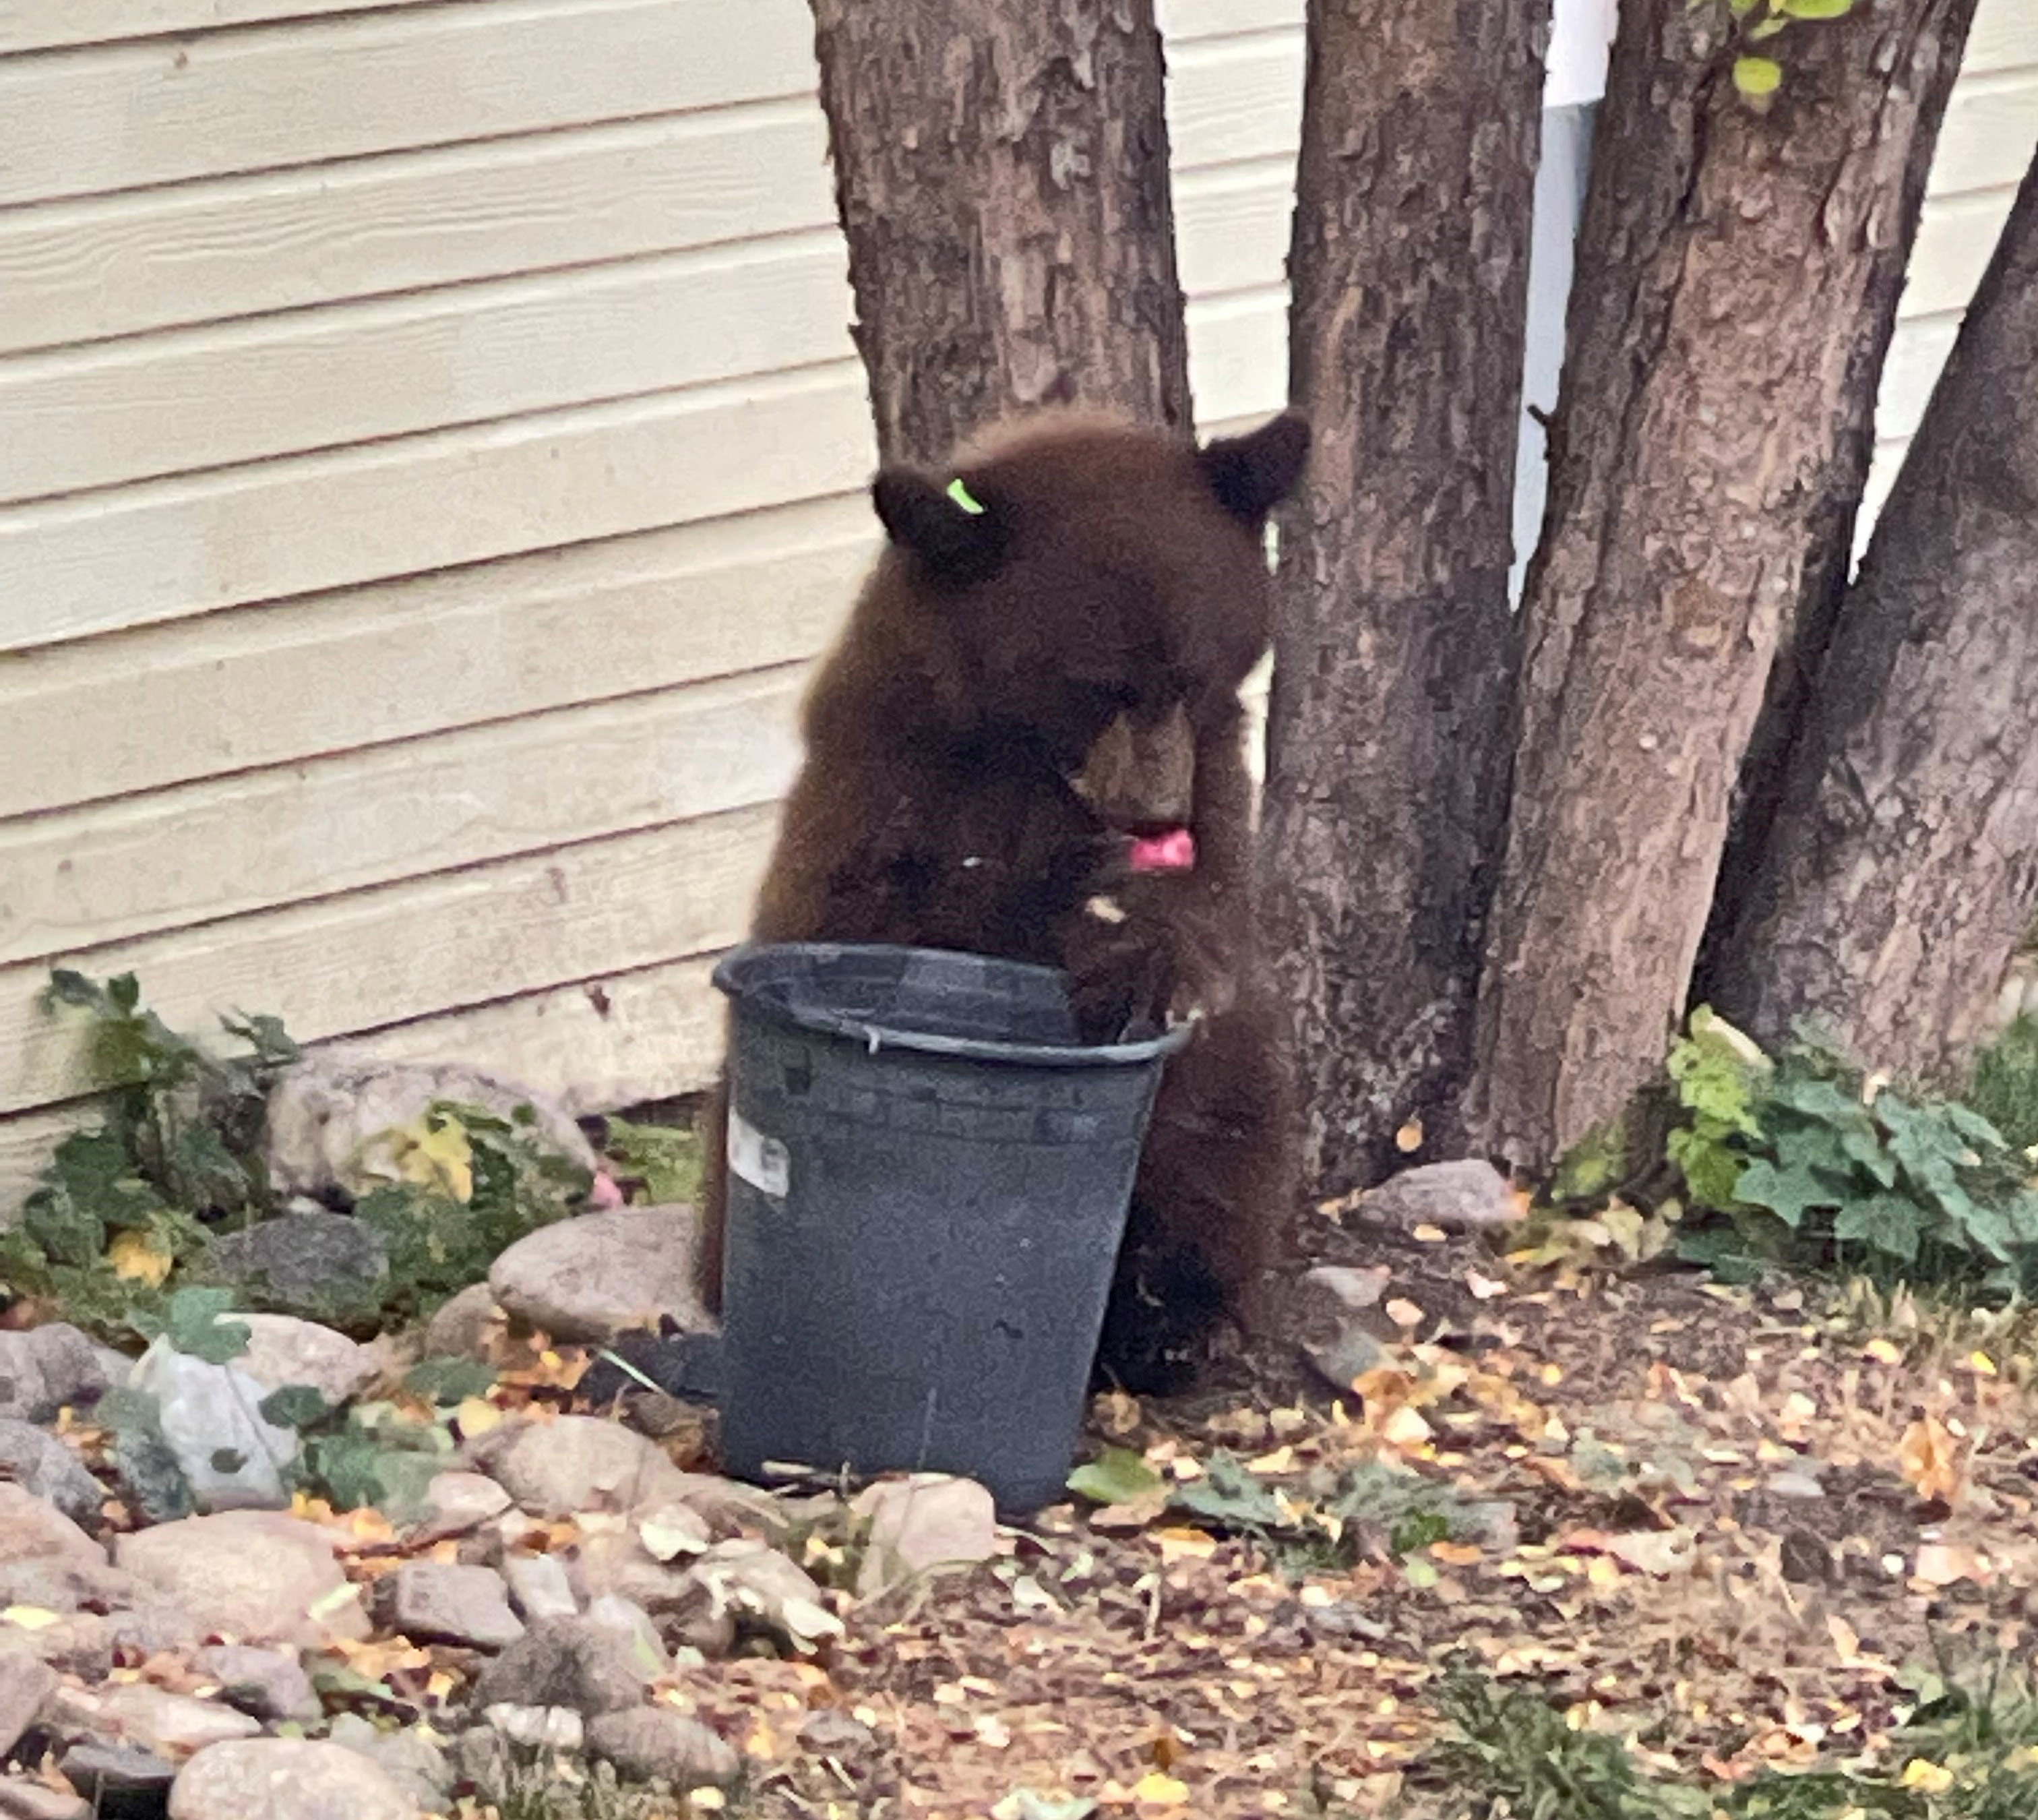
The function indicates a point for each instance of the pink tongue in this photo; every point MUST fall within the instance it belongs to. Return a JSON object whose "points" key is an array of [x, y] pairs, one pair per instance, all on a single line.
{"points": [[1174, 851]]}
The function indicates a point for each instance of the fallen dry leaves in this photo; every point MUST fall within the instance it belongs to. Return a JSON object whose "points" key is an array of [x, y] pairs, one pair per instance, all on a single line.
{"points": [[1700, 1515]]}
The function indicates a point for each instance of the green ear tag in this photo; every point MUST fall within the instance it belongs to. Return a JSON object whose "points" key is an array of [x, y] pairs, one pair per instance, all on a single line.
{"points": [[964, 498]]}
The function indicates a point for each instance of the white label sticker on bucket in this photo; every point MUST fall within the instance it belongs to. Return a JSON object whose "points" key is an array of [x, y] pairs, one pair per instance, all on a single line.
{"points": [[761, 1161]]}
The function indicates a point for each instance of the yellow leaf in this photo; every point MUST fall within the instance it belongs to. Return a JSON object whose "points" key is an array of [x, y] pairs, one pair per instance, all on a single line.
{"points": [[1185, 1545], [477, 1415], [29, 1618], [1755, 76], [1156, 1790], [140, 1257], [1928, 1459], [1934, 1778], [433, 1151], [1884, 1352]]}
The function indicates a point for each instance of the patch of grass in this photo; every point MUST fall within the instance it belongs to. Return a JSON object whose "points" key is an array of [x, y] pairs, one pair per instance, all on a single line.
{"points": [[552, 1787], [2004, 1087], [1969, 1751]]}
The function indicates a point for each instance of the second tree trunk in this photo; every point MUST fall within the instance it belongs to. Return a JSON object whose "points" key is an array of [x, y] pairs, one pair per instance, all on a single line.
{"points": [[1737, 273], [1393, 651]]}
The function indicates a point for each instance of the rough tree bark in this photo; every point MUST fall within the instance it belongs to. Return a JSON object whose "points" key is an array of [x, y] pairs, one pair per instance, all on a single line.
{"points": [[1733, 265], [1002, 176], [1902, 870], [1395, 650]]}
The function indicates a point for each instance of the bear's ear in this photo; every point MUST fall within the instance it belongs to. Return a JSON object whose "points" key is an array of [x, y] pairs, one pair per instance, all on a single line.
{"points": [[1252, 474], [957, 538]]}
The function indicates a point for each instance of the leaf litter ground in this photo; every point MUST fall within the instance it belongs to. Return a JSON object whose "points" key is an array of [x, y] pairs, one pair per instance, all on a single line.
{"points": [[1732, 1529], [1707, 1523]]}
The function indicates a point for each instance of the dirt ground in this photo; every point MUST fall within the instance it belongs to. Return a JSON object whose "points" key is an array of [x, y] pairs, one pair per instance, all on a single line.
{"points": [[1723, 1523]]}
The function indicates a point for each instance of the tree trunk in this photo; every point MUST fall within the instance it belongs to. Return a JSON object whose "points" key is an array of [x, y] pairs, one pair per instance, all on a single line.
{"points": [[1394, 648], [1002, 176], [1902, 870], [1734, 266]]}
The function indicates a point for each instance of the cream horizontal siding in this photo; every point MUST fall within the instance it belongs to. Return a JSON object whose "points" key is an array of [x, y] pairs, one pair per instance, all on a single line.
{"points": [[1987, 143], [431, 453]]}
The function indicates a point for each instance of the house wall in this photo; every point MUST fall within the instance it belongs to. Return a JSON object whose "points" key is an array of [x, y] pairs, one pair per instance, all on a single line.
{"points": [[431, 451]]}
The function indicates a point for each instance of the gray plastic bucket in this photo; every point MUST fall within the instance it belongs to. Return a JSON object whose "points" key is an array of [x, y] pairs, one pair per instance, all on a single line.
{"points": [[927, 1185]]}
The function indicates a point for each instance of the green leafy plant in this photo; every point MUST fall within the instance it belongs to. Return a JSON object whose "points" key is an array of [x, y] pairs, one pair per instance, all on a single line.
{"points": [[439, 1241], [117, 1227], [665, 1158], [1813, 1164], [1317, 1519]]}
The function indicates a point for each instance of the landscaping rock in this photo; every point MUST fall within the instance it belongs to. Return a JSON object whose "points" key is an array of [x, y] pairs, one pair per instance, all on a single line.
{"points": [[26, 1685], [326, 1113], [252, 1576], [656, 1743], [31, 1530], [210, 1421], [269, 1684], [21, 1800], [750, 1578], [64, 1582], [538, 1587], [927, 1521], [1340, 1324], [415, 1764], [284, 1350], [831, 1732], [603, 1274], [460, 1329], [730, 1508], [76, 1642], [441, 1602], [121, 1781], [457, 1503], [633, 1621], [615, 1564], [152, 1626], [151, 1481], [286, 1779], [172, 1725], [579, 1463], [42, 1466], [565, 1662], [540, 1727], [46, 1369], [308, 1263], [1469, 1195]]}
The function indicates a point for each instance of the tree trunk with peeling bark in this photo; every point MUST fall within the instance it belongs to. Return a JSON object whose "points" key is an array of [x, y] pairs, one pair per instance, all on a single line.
{"points": [[1395, 648], [1902, 871], [1737, 272], [1002, 176]]}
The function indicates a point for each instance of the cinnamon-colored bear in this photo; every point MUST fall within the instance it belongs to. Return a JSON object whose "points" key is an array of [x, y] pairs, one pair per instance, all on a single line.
{"points": [[1028, 743]]}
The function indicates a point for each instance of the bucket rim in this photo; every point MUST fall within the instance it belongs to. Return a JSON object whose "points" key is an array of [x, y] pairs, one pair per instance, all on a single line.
{"points": [[874, 1037]]}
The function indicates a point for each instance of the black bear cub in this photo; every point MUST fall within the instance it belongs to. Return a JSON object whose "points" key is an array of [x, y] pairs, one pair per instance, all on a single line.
{"points": [[1028, 743]]}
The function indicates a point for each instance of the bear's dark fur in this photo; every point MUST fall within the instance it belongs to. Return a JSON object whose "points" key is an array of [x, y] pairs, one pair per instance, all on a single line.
{"points": [[1037, 673]]}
